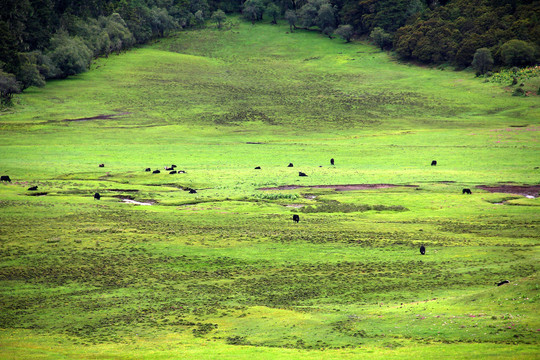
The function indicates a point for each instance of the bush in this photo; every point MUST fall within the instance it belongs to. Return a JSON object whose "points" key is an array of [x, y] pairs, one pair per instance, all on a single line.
{"points": [[482, 61], [518, 92], [69, 54], [517, 53], [8, 86]]}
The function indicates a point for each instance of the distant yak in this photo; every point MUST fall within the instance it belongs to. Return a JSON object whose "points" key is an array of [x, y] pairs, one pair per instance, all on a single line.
{"points": [[97, 196], [296, 218], [503, 282], [173, 166], [32, 188], [466, 191], [422, 250], [101, 165], [156, 172], [173, 172], [332, 161], [301, 174], [169, 168], [192, 191], [258, 168], [5, 178], [147, 169], [434, 163], [290, 165]]}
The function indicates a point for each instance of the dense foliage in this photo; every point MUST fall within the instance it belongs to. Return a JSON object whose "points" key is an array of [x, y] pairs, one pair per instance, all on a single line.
{"points": [[454, 32]]}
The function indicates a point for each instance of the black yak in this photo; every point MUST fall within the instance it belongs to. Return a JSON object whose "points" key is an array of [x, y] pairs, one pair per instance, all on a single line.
{"points": [[434, 163], [101, 165], [422, 250], [5, 178], [290, 165], [466, 191], [97, 196], [301, 174], [332, 161], [296, 218], [32, 188]]}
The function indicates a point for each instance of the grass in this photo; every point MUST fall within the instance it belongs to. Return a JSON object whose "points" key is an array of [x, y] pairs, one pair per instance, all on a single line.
{"points": [[225, 272]]}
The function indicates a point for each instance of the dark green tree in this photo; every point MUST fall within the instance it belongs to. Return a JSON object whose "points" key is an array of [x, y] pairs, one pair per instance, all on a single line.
{"points": [[517, 53], [69, 54], [482, 61], [381, 38], [218, 17], [8, 86], [345, 32], [253, 10], [291, 18], [273, 11]]}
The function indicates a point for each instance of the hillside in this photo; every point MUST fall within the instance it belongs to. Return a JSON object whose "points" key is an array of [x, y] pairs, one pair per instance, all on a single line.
{"points": [[225, 272]]}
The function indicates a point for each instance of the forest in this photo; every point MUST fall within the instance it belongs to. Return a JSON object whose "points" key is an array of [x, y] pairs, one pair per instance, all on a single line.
{"points": [[48, 39]]}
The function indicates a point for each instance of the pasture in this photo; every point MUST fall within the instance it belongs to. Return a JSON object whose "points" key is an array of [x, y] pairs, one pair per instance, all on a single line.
{"points": [[152, 271]]}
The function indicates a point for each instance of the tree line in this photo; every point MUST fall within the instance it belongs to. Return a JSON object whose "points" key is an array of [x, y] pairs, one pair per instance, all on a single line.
{"points": [[46, 39]]}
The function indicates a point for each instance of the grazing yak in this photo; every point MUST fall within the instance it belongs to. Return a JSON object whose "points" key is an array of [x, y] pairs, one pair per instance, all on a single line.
{"points": [[296, 218], [290, 165], [503, 282], [32, 188], [332, 161], [301, 174], [434, 163], [422, 250], [466, 191], [147, 169], [173, 172], [156, 172], [258, 168], [168, 168], [173, 166], [97, 196], [192, 191], [101, 165], [5, 178]]}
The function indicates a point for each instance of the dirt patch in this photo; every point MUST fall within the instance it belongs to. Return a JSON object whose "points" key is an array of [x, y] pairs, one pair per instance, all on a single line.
{"points": [[99, 117], [525, 190], [348, 187], [123, 190], [296, 206]]}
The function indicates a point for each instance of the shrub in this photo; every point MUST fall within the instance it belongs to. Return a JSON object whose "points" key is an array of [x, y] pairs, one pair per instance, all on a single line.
{"points": [[517, 53]]}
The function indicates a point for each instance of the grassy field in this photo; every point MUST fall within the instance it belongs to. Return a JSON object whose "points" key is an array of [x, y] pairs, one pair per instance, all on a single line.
{"points": [[225, 273]]}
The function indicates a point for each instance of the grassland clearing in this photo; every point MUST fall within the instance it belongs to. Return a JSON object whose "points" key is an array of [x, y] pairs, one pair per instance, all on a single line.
{"points": [[225, 272]]}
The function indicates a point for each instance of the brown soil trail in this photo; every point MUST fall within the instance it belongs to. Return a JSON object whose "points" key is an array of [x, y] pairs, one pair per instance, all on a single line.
{"points": [[525, 190]]}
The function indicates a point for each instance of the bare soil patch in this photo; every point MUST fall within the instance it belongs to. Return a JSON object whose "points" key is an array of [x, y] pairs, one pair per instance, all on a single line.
{"points": [[99, 117], [348, 187], [525, 190]]}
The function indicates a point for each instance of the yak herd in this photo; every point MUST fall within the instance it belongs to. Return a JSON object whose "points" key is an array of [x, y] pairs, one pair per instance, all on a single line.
{"points": [[172, 171], [295, 218]]}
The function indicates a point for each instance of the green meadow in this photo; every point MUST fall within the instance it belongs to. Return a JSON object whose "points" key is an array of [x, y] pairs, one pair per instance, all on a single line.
{"points": [[224, 273]]}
